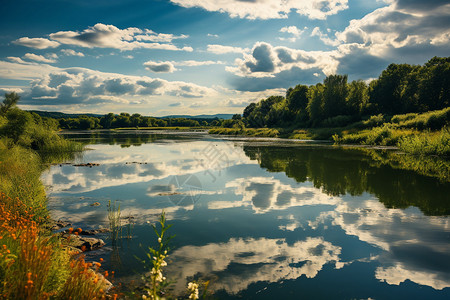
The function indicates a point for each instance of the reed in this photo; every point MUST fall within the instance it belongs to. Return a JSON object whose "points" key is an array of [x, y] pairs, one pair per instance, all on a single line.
{"points": [[115, 222]]}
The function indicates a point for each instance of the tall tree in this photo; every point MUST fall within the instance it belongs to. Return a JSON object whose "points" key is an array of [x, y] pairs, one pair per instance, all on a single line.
{"points": [[434, 87], [10, 101], [334, 95], [297, 98], [358, 97], [387, 92], [315, 95]]}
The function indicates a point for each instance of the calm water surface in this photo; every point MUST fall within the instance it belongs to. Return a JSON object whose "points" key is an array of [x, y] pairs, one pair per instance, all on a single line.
{"points": [[263, 219]]}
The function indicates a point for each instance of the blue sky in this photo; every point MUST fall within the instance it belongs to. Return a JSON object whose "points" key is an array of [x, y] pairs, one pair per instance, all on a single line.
{"points": [[160, 57]]}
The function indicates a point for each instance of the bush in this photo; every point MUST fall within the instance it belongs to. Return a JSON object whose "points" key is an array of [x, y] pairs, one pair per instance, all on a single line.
{"points": [[433, 120], [427, 143], [338, 121]]}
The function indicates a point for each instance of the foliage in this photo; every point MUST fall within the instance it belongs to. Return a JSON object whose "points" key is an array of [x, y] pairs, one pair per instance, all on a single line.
{"points": [[383, 136], [36, 266], [262, 132], [156, 257], [125, 120], [398, 180], [400, 89], [29, 130], [10, 101], [433, 120], [20, 170], [427, 143]]}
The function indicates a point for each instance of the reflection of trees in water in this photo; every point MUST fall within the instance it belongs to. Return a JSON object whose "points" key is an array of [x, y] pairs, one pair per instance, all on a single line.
{"points": [[387, 175], [122, 138]]}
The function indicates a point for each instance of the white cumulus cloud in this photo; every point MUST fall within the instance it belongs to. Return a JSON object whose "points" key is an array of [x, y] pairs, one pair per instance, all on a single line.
{"points": [[160, 67], [221, 49], [109, 36], [70, 52], [36, 43], [40, 58], [269, 9]]}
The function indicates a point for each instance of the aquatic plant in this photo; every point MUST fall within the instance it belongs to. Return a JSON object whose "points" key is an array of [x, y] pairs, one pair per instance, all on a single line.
{"points": [[156, 280], [115, 222]]}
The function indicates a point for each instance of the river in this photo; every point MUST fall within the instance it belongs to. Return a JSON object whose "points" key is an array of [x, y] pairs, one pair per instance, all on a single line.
{"points": [[262, 218]]}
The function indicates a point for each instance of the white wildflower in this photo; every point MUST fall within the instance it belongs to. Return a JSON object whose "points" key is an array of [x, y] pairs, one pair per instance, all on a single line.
{"points": [[193, 290]]}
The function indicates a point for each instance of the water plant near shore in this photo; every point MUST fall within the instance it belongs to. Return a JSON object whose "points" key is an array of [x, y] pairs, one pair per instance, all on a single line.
{"points": [[115, 223], [156, 261]]}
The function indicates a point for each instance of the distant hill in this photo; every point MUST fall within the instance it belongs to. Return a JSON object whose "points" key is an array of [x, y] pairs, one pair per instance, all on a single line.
{"points": [[218, 116], [60, 115]]}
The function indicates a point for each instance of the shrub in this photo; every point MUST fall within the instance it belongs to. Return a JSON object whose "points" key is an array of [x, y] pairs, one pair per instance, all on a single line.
{"points": [[427, 143], [338, 121]]}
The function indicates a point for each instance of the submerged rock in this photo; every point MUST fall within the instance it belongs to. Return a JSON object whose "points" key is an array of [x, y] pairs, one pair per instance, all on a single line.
{"points": [[83, 243], [57, 225], [90, 165]]}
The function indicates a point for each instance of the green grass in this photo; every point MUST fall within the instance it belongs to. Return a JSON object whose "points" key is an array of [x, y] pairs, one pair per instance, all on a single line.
{"points": [[432, 120], [382, 136], [256, 132], [427, 143], [20, 171]]}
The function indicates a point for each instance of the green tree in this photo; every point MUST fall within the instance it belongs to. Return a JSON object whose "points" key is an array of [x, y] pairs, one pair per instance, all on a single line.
{"points": [[107, 120], [18, 127], [315, 96], [387, 92], [358, 97], [297, 98], [434, 86], [10, 101], [334, 95], [135, 120], [248, 110], [237, 117]]}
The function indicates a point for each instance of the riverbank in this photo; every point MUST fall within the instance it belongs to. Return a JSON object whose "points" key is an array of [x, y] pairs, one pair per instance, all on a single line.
{"points": [[35, 263], [418, 134]]}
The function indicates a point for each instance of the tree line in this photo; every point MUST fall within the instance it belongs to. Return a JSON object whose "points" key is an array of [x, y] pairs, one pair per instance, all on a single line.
{"points": [[124, 120], [400, 89]]}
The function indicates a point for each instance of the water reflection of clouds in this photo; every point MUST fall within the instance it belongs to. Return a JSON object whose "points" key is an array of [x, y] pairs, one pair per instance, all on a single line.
{"points": [[412, 242], [415, 248], [97, 216], [267, 193], [268, 260], [132, 165]]}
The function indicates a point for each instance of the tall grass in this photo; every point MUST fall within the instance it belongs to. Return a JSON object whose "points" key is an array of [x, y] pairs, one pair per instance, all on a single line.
{"points": [[34, 265], [432, 120], [258, 132], [115, 222], [427, 143], [20, 170]]}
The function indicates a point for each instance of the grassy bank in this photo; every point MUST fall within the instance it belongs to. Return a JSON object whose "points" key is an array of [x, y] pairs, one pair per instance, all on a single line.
{"points": [[34, 264], [418, 134], [260, 132]]}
